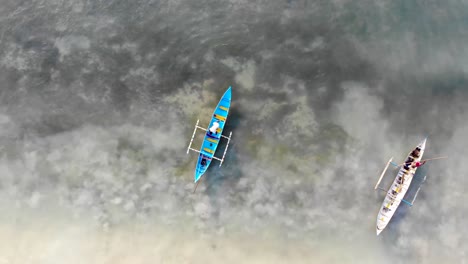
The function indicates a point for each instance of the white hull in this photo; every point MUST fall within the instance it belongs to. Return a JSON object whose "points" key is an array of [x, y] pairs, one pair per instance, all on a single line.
{"points": [[397, 191]]}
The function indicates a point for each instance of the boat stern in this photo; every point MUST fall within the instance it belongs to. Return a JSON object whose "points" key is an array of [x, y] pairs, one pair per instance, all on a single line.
{"points": [[197, 175], [382, 222], [378, 231], [380, 227], [201, 168]]}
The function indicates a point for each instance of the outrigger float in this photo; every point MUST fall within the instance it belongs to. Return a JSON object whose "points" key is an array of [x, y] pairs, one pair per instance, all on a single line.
{"points": [[213, 136], [400, 185]]}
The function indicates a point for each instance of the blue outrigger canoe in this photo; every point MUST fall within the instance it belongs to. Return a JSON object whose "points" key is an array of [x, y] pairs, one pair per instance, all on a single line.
{"points": [[212, 136]]}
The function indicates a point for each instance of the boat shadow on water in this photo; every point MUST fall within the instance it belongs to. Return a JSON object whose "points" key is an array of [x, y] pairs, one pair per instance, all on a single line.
{"points": [[219, 181]]}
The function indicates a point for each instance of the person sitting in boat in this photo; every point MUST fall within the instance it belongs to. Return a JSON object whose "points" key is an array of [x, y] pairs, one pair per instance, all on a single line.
{"points": [[203, 162], [415, 152], [407, 165], [408, 162], [214, 127], [418, 164]]}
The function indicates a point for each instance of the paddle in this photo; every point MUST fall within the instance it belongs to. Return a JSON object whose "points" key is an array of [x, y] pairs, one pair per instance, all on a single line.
{"points": [[426, 160]]}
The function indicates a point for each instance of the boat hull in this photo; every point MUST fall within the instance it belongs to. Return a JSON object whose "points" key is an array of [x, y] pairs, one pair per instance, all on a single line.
{"points": [[211, 140], [398, 190]]}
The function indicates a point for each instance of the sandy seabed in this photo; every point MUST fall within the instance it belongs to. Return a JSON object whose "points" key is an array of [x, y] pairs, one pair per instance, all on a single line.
{"points": [[32, 236]]}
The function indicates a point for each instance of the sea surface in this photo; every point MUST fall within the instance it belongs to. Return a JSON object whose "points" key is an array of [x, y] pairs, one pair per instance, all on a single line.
{"points": [[98, 100]]}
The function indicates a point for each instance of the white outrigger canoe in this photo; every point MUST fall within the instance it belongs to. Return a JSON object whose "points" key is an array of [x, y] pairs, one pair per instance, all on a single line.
{"points": [[399, 187]]}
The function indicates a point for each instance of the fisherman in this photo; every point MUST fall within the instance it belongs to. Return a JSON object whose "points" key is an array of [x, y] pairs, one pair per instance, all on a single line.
{"points": [[407, 165], [214, 127], [415, 152], [418, 164]]}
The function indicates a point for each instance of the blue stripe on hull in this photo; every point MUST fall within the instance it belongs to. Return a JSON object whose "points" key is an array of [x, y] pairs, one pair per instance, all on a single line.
{"points": [[210, 136]]}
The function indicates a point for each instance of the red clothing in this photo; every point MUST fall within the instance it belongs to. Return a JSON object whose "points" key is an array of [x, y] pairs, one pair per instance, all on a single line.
{"points": [[418, 164]]}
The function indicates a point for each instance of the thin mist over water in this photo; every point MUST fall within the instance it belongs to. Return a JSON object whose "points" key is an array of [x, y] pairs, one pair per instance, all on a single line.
{"points": [[98, 102]]}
